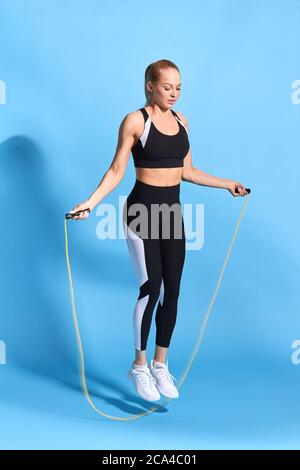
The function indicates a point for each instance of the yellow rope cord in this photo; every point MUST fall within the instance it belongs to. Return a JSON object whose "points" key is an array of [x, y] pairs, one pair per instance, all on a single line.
{"points": [[202, 329]]}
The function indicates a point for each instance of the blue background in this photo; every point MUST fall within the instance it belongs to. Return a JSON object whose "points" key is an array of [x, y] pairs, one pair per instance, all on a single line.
{"points": [[73, 70]]}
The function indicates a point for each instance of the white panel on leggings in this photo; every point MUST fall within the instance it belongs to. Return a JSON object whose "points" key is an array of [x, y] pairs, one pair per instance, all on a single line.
{"points": [[162, 291], [137, 252], [137, 318]]}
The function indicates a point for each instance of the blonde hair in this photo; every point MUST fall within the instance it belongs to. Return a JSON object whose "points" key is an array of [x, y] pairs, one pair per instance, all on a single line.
{"points": [[152, 73]]}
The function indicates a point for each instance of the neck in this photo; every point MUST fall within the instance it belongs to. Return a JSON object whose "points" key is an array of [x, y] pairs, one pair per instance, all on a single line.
{"points": [[160, 112]]}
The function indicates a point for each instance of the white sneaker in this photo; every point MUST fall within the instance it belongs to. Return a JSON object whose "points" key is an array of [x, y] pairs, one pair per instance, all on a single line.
{"points": [[164, 380], [144, 383]]}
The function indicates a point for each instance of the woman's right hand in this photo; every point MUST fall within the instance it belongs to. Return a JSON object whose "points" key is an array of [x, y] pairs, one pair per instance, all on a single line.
{"points": [[84, 205]]}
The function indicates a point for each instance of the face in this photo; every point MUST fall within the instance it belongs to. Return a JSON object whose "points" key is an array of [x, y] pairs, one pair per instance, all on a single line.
{"points": [[166, 91]]}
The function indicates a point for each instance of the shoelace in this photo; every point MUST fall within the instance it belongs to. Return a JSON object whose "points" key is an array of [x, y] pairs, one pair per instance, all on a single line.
{"points": [[166, 373], [146, 375]]}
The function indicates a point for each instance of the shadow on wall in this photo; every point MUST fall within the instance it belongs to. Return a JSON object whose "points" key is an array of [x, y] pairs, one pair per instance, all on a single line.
{"points": [[35, 296]]}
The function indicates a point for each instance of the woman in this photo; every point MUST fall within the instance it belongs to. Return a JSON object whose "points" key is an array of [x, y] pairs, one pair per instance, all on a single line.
{"points": [[158, 140]]}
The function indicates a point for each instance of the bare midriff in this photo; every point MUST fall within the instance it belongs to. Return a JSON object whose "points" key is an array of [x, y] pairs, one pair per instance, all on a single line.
{"points": [[159, 176]]}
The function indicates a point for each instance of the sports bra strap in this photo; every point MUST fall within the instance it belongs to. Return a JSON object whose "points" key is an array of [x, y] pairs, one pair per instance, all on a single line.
{"points": [[180, 120], [175, 114], [145, 114]]}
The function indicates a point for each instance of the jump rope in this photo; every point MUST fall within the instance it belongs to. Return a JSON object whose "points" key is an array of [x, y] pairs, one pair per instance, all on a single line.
{"points": [[70, 215]]}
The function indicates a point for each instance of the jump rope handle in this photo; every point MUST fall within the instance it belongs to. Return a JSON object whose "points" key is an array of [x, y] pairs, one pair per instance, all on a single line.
{"points": [[70, 215], [247, 189]]}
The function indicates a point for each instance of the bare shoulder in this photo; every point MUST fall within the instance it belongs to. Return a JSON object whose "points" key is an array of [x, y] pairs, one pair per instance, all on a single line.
{"points": [[182, 118], [133, 122]]}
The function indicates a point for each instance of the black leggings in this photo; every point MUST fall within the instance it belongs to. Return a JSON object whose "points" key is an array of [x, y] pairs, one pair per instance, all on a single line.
{"points": [[155, 236]]}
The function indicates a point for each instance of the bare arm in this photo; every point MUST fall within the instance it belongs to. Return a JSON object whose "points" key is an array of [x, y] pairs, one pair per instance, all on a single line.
{"points": [[196, 176], [192, 174], [115, 173]]}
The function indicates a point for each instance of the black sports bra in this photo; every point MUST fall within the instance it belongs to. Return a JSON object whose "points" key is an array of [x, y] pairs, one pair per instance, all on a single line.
{"points": [[157, 150]]}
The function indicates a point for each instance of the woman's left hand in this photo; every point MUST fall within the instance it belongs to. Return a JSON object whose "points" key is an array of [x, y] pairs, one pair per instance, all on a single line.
{"points": [[233, 185]]}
